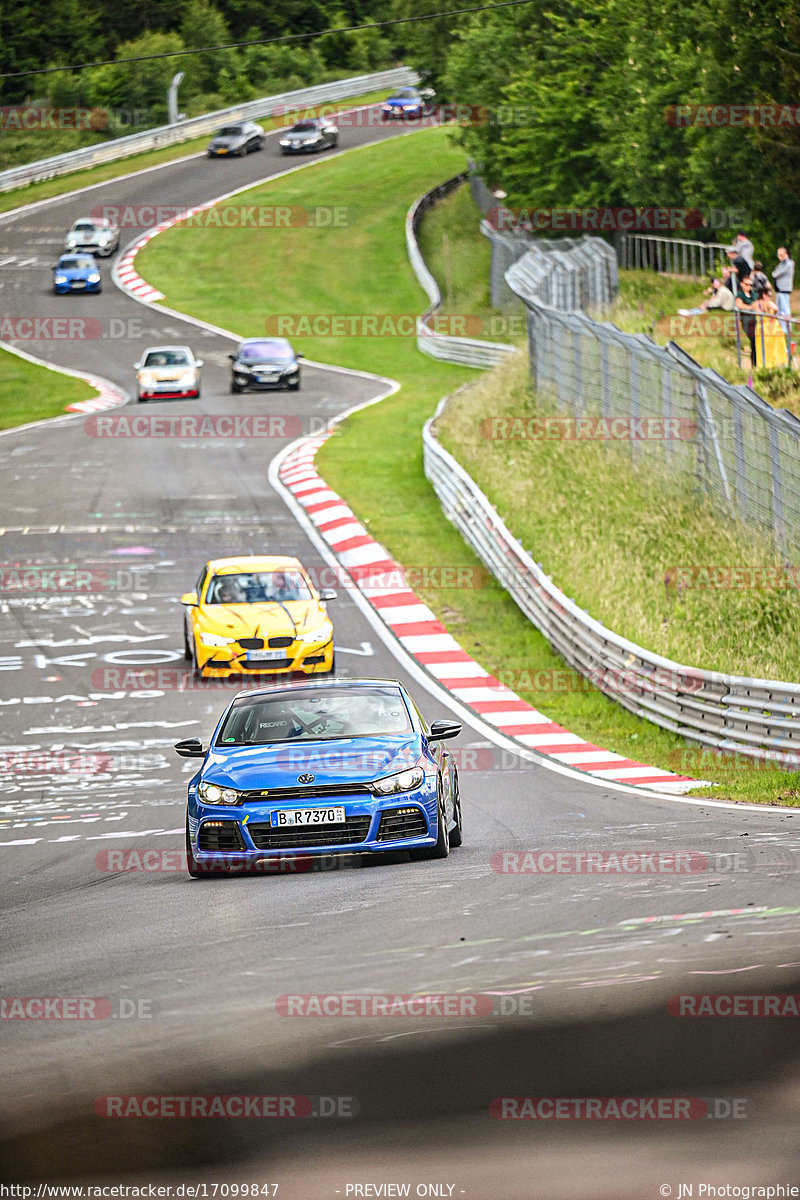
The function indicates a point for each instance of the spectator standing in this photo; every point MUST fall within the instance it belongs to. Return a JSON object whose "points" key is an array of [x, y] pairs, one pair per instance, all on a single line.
{"points": [[739, 265], [783, 278], [760, 281], [747, 304], [775, 350], [745, 248]]}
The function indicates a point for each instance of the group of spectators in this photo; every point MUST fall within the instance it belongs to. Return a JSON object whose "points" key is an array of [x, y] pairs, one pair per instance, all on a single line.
{"points": [[744, 286]]}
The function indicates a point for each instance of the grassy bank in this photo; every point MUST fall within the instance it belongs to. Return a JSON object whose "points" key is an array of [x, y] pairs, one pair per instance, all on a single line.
{"points": [[376, 460], [31, 393]]}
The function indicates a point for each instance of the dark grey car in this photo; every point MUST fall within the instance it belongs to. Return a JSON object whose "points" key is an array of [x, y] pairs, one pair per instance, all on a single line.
{"points": [[265, 364], [238, 139], [305, 137]]}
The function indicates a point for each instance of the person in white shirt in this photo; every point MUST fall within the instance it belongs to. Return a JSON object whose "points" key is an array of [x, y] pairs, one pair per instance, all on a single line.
{"points": [[783, 278], [745, 248]]}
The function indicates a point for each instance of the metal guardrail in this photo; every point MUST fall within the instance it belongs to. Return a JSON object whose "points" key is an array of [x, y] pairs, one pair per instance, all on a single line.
{"points": [[669, 256], [756, 717], [168, 135], [468, 352]]}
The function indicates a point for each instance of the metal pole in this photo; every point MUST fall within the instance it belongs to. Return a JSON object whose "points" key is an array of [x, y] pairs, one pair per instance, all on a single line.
{"points": [[172, 98]]}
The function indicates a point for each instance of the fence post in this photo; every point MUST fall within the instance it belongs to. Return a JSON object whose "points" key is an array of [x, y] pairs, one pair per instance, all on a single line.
{"points": [[775, 481]]}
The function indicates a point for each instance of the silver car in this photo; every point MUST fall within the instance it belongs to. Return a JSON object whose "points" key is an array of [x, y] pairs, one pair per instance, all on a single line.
{"points": [[238, 139], [93, 236], [305, 137], [168, 373]]}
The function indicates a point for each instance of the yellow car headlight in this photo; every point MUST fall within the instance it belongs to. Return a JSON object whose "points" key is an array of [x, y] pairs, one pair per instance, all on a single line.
{"points": [[322, 634], [216, 639]]}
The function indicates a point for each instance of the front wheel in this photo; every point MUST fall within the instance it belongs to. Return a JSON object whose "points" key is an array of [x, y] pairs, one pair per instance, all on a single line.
{"points": [[442, 847], [236, 388], [187, 648], [295, 387], [456, 834], [192, 865]]}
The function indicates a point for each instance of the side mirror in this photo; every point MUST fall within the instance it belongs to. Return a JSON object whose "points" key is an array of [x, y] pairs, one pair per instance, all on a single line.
{"points": [[232, 357], [137, 366], [327, 594], [198, 362], [299, 355], [190, 748], [189, 599], [440, 730]]}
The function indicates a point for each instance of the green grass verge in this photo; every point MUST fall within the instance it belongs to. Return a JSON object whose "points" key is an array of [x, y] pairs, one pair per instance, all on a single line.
{"points": [[134, 162], [31, 393], [375, 462], [459, 258]]}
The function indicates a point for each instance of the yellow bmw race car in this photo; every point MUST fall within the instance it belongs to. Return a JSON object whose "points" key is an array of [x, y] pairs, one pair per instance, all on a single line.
{"points": [[257, 615]]}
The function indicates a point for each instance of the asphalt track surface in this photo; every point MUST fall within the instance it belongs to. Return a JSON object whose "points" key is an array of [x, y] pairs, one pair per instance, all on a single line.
{"points": [[89, 769]]}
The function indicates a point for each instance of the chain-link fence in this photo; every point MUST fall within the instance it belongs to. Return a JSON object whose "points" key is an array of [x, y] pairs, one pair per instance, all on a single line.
{"points": [[735, 448]]}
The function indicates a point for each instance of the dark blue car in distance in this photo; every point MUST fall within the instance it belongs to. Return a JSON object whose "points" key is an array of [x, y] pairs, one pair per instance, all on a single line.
{"points": [[300, 770], [407, 104]]}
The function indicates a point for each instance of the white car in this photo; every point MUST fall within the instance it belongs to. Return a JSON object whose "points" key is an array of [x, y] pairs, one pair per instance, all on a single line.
{"points": [[93, 236], [168, 373]]}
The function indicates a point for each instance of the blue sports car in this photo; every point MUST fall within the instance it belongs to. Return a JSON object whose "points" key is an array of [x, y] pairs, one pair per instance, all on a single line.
{"points": [[299, 771], [407, 104], [76, 273]]}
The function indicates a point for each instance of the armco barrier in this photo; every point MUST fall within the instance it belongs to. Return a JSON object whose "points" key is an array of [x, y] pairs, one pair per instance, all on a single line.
{"points": [[756, 717], [468, 352], [168, 135]]}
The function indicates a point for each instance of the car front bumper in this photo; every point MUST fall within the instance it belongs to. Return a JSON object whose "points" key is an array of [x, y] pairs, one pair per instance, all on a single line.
{"points": [[251, 384], [230, 660], [170, 393], [370, 827], [77, 286]]}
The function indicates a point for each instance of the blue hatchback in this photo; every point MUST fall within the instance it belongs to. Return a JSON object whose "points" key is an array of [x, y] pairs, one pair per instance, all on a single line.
{"points": [[76, 273], [297, 772]]}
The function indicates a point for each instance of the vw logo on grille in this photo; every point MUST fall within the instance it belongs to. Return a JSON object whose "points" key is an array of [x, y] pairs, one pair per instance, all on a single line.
{"points": [[306, 778]]}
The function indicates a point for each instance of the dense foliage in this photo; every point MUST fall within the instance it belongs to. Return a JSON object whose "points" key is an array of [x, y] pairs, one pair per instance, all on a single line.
{"points": [[581, 97], [578, 94]]}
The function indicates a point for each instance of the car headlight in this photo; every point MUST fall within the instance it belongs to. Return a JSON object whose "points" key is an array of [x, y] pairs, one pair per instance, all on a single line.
{"points": [[410, 107], [406, 781], [187, 379], [61, 279], [210, 793], [93, 278], [285, 142], [146, 378], [315, 635], [216, 639], [71, 243]]}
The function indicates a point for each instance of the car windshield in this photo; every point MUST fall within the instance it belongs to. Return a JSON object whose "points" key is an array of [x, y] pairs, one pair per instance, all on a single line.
{"points": [[266, 352], [76, 264], [405, 94], [304, 127], [256, 587], [315, 715], [167, 358], [229, 131], [85, 227]]}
